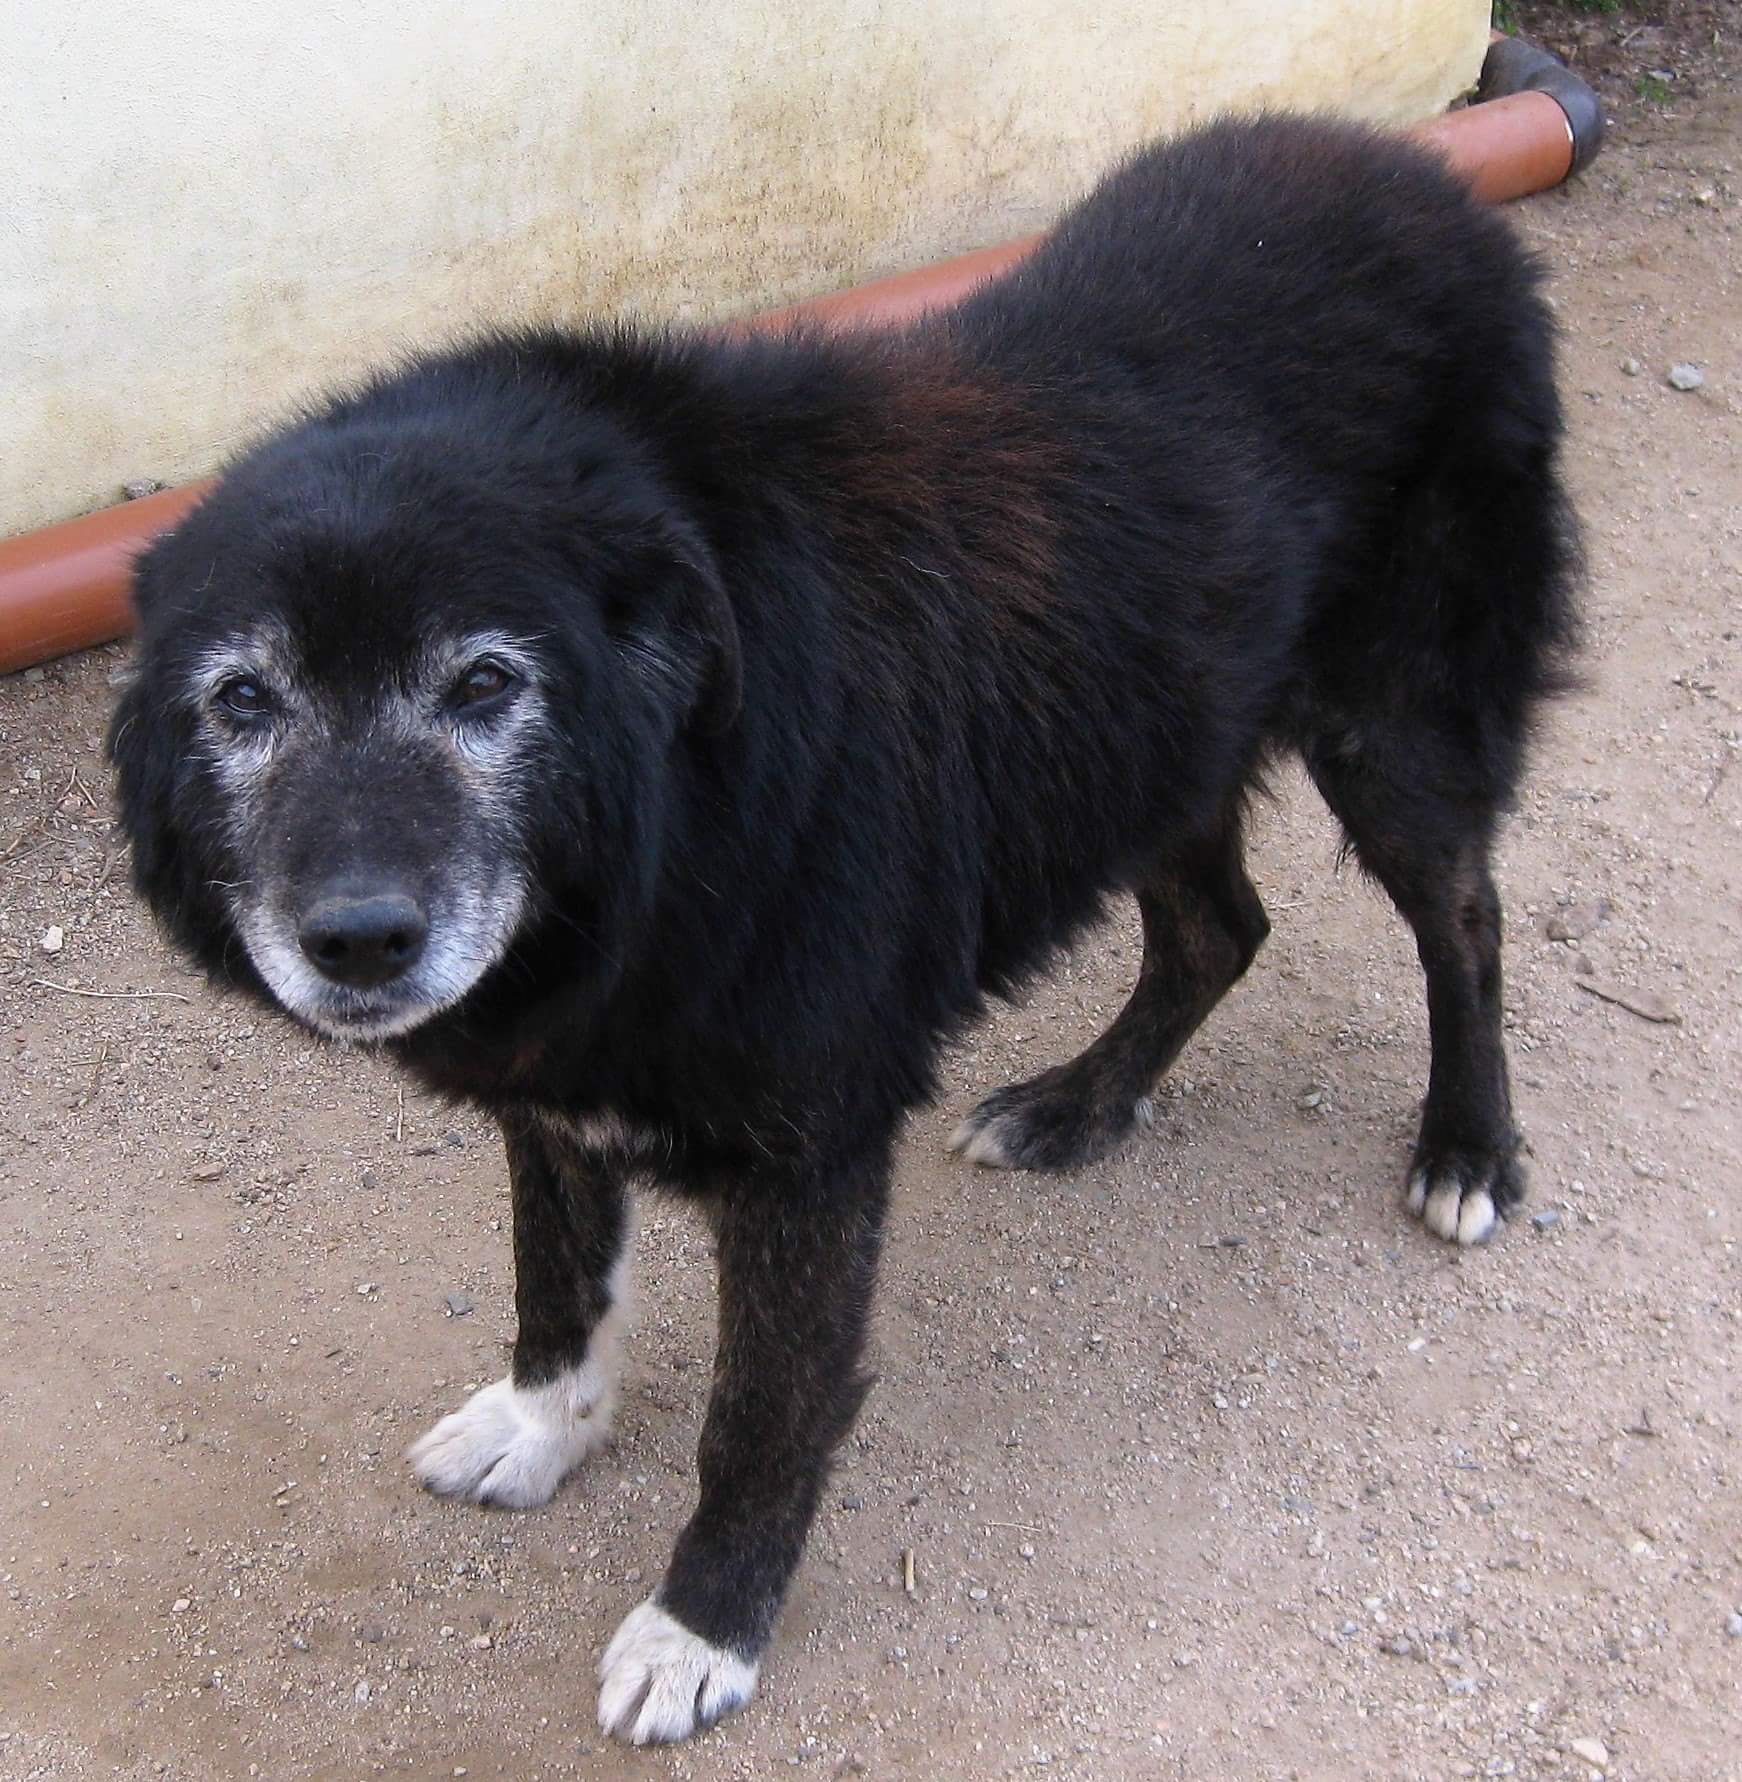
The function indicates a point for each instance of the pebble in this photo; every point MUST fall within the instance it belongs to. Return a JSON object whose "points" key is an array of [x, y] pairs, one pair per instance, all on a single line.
{"points": [[1631, 367], [458, 1304], [1733, 1624], [53, 939], [1546, 1220], [362, 1691], [1686, 377], [142, 486], [480, 1642], [1591, 1751], [180, 1606]]}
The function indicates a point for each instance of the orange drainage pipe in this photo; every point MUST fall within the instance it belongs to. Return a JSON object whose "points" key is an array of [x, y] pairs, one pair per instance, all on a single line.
{"points": [[66, 587]]}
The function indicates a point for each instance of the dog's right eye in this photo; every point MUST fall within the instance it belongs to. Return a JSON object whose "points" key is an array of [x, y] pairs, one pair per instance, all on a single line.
{"points": [[242, 698]]}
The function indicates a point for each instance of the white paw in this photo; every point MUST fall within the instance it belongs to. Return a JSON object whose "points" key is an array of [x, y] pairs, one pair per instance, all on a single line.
{"points": [[658, 1682], [514, 1446], [981, 1143], [1451, 1208]]}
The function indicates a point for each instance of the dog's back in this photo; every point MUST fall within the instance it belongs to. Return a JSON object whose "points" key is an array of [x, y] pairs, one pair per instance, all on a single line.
{"points": [[1322, 317]]}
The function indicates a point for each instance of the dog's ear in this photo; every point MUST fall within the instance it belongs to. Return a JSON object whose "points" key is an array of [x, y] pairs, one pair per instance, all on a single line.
{"points": [[673, 595], [146, 738]]}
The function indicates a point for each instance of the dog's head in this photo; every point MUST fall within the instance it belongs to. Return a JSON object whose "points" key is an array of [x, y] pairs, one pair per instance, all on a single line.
{"points": [[408, 685]]}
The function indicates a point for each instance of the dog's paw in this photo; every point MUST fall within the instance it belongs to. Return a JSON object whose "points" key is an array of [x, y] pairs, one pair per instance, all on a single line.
{"points": [[1462, 1195], [659, 1683], [1050, 1123], [512, 1446]]}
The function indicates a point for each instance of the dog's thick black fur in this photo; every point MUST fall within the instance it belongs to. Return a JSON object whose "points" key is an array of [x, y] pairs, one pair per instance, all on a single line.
{"points": [[854, 672]]}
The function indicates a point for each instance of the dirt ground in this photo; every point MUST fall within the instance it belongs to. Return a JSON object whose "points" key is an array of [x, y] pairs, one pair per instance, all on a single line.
{"points": [[1211, 1464]]}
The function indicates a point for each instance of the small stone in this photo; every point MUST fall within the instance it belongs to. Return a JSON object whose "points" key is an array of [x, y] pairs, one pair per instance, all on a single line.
{"points": [[141, 486], [1575, 923], [362, 1692], [1686, 377], [371, 1633], [480, 1642], [365, 1288], [1631, 367], [852, 1503], [1591, 1751], [53, 939], [1733, 1624], [180, 1606], [458, 1304], [977, 1594], [1546, 1220]]}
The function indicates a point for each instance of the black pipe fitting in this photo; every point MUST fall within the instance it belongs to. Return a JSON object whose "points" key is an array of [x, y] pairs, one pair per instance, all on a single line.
{"points": [[1516, 65]]}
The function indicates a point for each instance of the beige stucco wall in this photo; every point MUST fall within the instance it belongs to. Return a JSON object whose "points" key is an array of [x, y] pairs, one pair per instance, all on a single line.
{"points": [[209, 206]]}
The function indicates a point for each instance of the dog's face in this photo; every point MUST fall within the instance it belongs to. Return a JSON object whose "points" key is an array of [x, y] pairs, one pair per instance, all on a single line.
{"points": [[338, 762]]}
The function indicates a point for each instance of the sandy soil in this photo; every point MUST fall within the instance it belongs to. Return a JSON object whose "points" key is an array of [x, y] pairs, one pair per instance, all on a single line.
{"points": [[1211, 1464]]}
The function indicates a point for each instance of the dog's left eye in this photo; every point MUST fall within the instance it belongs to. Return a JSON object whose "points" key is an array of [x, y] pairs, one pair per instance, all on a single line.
{"points": [[483, 684], [242, 697]]}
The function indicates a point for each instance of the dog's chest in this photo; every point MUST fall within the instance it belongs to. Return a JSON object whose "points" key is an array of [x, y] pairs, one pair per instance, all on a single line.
{"points": [[612, 1136]]}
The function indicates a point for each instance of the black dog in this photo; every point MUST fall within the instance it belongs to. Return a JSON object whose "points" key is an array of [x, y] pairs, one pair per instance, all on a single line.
{"points": [[667, 742]]}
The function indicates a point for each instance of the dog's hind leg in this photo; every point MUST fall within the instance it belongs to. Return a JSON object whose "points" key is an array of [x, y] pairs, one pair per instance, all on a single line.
{"points": [[1203, 924], [512, 1442], [1421, 821]]}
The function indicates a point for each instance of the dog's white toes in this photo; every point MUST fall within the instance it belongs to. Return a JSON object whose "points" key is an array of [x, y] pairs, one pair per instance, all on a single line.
{"points": [[979, 1143], [1416, 1197], [658, 1682], [1451, 1209], [512, 1446], [1476, 1216]]}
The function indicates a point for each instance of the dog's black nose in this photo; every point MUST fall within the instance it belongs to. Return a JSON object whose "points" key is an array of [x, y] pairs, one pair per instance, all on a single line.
{"points": [[363, 941]]}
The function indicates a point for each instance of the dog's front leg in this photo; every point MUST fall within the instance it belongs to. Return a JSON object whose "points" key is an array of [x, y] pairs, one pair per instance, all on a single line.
{"points": [[512, 1442], [797, 1261]]}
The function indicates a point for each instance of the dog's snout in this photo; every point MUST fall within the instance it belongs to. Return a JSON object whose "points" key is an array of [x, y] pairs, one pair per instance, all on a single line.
{"points": [[363, 941]]}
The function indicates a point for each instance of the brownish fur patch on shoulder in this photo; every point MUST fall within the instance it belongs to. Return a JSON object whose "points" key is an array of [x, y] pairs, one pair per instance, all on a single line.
{"points": [[949, 472]]}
